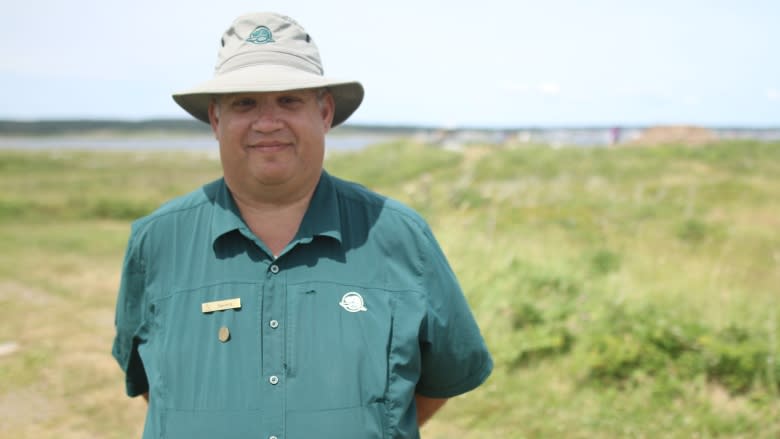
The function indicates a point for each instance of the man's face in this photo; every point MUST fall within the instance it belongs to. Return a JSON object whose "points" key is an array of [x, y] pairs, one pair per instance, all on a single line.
{"points": [[274, 139]]}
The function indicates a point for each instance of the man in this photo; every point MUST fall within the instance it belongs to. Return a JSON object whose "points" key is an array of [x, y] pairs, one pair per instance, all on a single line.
{"points": [[279, 301]]}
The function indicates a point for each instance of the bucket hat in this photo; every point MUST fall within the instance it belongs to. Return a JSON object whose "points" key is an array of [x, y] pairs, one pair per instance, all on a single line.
{"points": [[268, 52]]}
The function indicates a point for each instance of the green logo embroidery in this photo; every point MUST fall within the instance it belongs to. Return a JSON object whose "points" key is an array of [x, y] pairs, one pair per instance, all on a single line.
{"points": [[261, 35]]}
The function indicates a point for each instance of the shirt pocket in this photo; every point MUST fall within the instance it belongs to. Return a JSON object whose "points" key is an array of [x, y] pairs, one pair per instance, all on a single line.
{"points": [[338, 352], [209, 360]]}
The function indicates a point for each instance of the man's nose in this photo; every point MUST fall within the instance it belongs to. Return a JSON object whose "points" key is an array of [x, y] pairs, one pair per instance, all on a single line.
{"points": [[266, 118]]}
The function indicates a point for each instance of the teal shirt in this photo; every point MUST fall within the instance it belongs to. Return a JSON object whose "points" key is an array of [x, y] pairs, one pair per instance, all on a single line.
{"points": [[332, 339]]}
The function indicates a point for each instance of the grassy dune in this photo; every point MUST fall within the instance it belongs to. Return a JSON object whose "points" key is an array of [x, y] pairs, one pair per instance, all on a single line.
{"points": [[629, 292]]}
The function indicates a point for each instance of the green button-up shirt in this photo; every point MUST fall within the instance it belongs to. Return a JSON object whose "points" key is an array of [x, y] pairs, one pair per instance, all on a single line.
{"points": [[331, 339]]}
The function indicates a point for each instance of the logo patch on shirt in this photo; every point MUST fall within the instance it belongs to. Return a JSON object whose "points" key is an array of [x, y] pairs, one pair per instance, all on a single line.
{"points": [[353, 302]]}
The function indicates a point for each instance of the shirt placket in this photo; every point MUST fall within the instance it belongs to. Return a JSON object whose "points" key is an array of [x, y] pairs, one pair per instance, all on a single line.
{"points": [[273, 337]]}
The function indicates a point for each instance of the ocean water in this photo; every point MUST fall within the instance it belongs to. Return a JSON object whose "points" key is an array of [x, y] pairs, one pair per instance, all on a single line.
{"points": [[203, 143], [583, 137]]}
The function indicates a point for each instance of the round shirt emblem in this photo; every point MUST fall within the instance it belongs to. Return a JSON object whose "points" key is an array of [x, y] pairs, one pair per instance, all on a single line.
{"points": [[353, 302]]}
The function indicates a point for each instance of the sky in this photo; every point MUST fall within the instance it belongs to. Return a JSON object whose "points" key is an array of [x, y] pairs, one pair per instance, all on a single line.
{"points": [[486, 63]]}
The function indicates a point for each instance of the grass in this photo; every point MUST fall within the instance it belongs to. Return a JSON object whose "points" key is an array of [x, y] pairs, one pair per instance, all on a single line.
{"points": [[629, 292]]}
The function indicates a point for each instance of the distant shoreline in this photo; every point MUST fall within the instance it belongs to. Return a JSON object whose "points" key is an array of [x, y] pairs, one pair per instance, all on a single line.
{"points": [[81, 127], [187, 134]]}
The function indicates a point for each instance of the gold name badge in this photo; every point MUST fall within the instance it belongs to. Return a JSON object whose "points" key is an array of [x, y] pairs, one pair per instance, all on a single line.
{"points": [[221, 305]]}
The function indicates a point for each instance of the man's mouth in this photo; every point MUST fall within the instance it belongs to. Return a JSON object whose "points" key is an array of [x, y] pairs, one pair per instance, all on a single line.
{"points": [[269, 146]]}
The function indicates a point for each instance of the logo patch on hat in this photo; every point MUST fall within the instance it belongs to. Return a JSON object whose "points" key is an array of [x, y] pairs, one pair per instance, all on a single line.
{"points": [[261, 35]]}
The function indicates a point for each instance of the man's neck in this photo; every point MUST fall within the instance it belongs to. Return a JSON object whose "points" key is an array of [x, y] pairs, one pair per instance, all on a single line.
{"points": [[275, 221]]}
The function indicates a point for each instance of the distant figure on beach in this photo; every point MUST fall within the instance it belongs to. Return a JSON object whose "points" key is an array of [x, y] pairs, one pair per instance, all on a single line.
{"points": [[614, 135], [281, 302]]}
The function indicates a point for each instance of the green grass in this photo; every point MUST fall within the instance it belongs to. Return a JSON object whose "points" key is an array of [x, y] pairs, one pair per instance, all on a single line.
{"points": [[628, 292]]}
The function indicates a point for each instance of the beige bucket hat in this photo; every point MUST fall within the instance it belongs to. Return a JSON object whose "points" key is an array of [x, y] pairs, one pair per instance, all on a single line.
{"points": [[268, 52]]}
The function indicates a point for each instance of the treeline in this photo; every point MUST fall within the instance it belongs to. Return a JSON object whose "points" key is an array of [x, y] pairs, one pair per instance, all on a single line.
{"points": [[81, 127], [173, 126]]}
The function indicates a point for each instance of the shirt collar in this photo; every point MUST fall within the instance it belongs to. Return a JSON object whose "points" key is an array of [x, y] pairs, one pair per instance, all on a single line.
{"points": [[226, 217], [322, 217]]}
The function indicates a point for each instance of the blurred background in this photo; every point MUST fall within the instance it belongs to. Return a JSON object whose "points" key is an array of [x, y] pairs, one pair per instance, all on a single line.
{"points": [[603, 176]]}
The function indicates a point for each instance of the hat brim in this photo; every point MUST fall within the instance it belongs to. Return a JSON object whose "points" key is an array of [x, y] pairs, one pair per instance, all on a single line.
{"points": [[259, 79]]}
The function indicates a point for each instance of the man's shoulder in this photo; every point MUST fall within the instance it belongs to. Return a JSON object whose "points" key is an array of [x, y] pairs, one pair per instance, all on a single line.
{"points": [[357, 196], [178, 208]]}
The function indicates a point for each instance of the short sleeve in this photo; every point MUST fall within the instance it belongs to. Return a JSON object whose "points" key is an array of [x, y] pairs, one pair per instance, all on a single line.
{"points": [[454, 356], [129, 321]]}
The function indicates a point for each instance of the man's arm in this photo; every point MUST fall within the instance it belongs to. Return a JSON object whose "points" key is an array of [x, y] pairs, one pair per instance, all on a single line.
{"points": [[426, 407]]}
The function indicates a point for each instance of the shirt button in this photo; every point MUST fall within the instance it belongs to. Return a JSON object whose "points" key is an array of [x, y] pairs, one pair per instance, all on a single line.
{"points": [[272, 437], [273, 380], [273, 324], [274, 269]]}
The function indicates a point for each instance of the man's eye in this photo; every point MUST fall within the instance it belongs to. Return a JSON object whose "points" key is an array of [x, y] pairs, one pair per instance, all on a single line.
{"points": [[288, 100], [243, 103]]}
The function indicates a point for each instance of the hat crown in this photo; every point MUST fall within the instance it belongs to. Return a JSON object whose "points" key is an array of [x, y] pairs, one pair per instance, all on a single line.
{"points": [[270, 39], [266, 52]]}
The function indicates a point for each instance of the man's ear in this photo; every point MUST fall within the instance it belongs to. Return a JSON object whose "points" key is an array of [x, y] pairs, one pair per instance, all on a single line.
{"points": [[327, 110], [213, 116]]}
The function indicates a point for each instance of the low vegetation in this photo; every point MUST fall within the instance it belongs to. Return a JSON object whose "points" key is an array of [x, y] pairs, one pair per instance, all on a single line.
{"points": [[624, 292]]}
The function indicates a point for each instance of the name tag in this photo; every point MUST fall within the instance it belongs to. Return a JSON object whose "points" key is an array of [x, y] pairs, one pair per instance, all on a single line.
{"points": [[220, 305]]}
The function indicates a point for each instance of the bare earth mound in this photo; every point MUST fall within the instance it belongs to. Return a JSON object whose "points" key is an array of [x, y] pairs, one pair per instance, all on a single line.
{"points": [[677, 134]]}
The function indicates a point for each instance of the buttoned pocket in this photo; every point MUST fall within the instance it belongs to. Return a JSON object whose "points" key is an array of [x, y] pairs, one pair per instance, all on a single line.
{"points": [[338, 354], [209, 357]]}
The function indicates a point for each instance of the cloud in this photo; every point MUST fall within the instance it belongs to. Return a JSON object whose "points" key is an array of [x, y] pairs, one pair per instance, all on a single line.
{"points": [[773, 94], [515, 87], [636, 91], [549, 88], [660, 95]]}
